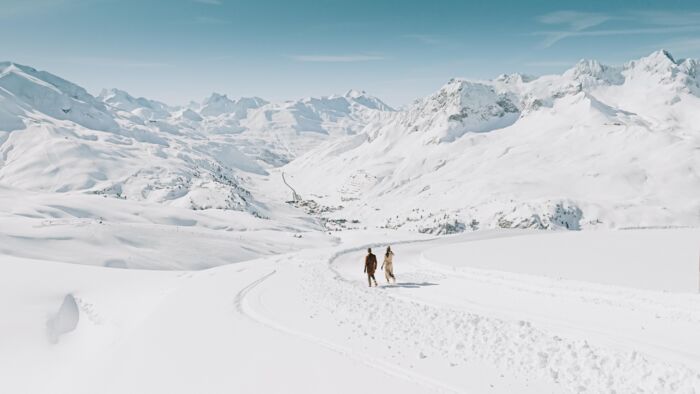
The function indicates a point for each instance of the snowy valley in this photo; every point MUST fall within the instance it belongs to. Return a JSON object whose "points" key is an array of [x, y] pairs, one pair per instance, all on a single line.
{"points": [[546, 232]]}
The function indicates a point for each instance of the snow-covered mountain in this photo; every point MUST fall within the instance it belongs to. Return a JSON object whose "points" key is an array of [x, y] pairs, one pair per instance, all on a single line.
{"points": [[283, 131], [139, 239], [272, 133], [217, 104], [597, 146], [56, 137], [27, 96], [140, 107], [129, 227]]}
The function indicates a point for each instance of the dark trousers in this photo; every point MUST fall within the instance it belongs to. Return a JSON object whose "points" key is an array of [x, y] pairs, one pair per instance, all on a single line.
{"points": [[370, 278]]}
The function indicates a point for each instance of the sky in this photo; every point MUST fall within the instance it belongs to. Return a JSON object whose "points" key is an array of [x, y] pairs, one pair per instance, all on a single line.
{"points": [[181, 50]]}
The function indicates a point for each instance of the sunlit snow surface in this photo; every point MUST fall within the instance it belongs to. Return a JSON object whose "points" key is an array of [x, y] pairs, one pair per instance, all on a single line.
{"points": [[149, 248], [454, 322]]}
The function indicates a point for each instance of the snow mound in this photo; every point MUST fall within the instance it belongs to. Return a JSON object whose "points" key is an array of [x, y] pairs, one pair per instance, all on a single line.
{"points": [[65, 320]]}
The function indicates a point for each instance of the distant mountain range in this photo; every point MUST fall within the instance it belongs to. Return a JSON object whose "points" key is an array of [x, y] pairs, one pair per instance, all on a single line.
{"points": [[598, 146]]}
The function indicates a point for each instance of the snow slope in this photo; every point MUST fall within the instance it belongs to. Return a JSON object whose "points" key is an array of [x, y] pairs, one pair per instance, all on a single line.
{"points": [[590, 148], [61, 139], [659, 260], [26, 94], [148, 248], [95, 230], [308, 319], [96, 182]]}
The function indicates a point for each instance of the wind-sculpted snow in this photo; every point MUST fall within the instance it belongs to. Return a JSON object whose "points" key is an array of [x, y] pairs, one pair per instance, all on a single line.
{"points": [[65, 320]]}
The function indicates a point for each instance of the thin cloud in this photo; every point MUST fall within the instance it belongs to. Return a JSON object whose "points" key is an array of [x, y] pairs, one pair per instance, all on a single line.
{"points": [[666, 18], [574, 20], [580, 24], [209, 2], [337, 58], [552, 37]]}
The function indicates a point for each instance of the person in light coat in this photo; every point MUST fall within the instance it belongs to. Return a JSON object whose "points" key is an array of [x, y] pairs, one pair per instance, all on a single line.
{"points": [[388, 265]]}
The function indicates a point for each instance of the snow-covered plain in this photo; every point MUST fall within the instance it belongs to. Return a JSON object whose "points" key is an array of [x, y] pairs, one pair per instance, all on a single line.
{"points": [[308, 320], [150, 248]]}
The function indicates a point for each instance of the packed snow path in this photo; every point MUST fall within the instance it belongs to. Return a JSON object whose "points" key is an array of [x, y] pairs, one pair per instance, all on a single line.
{"points": [[306, 322], [535, 333]]}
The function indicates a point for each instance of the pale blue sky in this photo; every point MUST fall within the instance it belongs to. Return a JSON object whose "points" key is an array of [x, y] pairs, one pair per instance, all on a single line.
{"points": [[181, 50]]}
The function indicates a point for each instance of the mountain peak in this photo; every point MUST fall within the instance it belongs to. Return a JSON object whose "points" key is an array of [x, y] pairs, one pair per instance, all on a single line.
{"points": [[657, 60], [662, 55], [216, 97], [219, 104], [9, 66], [354, 93], [590, 72], [31, 91], [586, 67], [659, 64], [514, 78], [114, 92]]}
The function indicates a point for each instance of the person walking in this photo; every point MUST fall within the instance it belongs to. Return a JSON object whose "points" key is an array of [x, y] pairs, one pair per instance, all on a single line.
{"points": [[370, 267], [388, 265]]}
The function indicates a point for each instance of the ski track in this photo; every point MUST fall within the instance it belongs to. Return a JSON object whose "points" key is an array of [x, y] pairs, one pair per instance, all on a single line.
{"points": [[519, 347], [242, 306]]}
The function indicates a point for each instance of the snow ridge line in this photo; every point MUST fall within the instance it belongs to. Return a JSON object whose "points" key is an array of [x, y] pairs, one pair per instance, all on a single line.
{"points": [[516, 346], [246, 310]]}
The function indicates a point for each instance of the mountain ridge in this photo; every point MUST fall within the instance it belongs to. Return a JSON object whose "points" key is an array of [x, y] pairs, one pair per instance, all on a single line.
{"points": [[581, 149]]}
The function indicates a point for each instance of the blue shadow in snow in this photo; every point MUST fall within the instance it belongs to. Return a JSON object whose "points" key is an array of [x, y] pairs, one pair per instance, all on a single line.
{"points": [[410, 285]]}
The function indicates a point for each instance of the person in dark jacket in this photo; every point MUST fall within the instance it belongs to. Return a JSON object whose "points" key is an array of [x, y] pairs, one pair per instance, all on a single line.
{"points": [[370, 267]]}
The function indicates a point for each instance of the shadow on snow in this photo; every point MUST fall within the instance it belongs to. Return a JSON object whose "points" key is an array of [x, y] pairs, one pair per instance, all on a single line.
{"points": [[410, 285]]}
